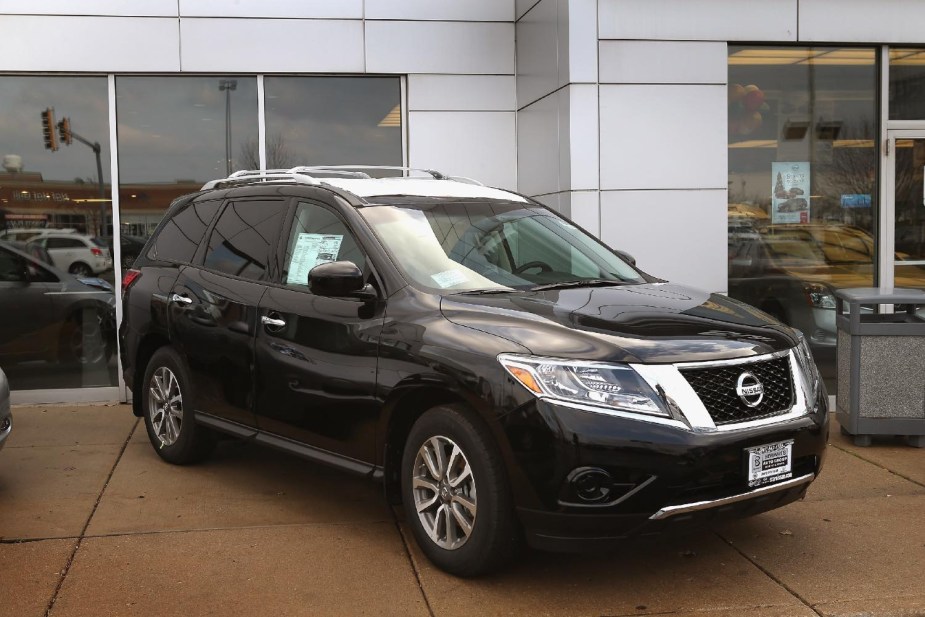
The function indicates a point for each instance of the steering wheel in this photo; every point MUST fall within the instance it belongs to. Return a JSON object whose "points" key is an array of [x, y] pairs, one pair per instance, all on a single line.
{"points": [[542, 265]]}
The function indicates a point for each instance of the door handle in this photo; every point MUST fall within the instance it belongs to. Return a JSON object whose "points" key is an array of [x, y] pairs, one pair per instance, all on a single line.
{"points": [[177, 298], [272, 322]]}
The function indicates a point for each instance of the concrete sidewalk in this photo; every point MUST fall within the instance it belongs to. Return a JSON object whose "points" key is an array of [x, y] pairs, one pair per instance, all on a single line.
{"points": [[93, 523]]}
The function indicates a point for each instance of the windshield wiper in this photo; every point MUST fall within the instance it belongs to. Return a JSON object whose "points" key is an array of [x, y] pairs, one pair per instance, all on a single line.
{"points": [[486, 292], [579, 283]]}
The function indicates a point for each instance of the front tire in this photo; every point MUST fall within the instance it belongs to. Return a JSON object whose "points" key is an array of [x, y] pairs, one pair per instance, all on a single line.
{"points": [[456, 496], [166, 399]]}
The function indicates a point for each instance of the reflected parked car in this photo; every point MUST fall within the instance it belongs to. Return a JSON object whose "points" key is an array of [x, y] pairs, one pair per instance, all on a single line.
{"points": [[49, 315], [6, 417], [75, 253], [792, 270], [28, 233], [131, 247]]}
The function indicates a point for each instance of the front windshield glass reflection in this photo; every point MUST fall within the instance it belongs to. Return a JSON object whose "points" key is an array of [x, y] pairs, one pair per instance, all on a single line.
{"points": [[477, 246]]}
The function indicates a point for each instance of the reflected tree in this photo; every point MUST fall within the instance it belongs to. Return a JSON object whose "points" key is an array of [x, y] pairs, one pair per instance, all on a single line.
{"points": [[278, 154]]}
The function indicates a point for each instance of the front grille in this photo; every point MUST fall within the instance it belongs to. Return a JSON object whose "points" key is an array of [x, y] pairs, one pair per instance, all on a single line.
{"points": [[716, 387]]}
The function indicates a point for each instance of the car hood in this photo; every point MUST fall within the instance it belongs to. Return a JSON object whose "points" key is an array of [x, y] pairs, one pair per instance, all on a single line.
{"points": [[652, 323]]}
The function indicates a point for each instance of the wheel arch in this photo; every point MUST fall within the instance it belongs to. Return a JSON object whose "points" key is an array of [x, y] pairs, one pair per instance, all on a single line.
{"points": [[146, 348]]}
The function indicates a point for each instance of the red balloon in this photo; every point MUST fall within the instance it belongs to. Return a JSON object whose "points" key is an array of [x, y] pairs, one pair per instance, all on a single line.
{"points": [[754, 100]]}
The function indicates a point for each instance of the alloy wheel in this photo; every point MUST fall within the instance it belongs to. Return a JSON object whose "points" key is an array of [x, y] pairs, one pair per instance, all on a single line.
{"points": [[165, 406], [443, 488]]}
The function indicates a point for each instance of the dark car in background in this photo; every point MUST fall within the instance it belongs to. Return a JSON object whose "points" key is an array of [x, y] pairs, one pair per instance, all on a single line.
{"points": [[792, 271], [51, 317], [502, 372]]}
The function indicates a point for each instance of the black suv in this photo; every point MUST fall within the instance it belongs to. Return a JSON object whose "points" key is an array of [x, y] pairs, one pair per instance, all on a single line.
{"points": [[501, 371]]}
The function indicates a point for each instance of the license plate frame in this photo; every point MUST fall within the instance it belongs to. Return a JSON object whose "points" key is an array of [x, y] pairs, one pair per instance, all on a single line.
{"points": [[769, 463]]}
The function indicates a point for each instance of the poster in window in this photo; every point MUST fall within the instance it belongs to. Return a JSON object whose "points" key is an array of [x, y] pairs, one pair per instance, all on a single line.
{"points": [[790, 192]]}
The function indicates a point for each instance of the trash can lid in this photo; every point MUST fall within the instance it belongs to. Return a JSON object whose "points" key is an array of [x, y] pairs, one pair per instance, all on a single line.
{"points": [[874, 295]]}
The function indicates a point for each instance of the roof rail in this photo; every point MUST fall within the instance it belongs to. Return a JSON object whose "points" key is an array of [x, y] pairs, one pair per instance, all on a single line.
{"points": [[314, 174], [252, 176], [357, 169]]}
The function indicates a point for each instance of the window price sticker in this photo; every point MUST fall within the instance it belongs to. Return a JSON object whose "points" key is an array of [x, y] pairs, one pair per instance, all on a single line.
{"points": [[311, 250]]}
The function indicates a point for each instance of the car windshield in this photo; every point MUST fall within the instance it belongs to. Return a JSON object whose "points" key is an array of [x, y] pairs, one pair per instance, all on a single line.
{"points": [[467, 246]]}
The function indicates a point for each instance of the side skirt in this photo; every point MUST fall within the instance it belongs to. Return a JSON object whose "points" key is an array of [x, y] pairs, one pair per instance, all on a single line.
{"points": [[318, 455]]}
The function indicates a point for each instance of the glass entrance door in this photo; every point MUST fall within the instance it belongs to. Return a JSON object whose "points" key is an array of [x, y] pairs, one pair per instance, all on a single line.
{"points": [[904, 217]]}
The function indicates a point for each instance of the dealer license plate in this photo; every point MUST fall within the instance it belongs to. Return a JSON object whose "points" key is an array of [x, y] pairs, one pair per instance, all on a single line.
{"points": [[770, 463]]}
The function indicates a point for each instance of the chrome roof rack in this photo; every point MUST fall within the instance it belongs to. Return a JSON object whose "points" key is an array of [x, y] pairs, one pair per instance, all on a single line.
{"points": [[314, 174]]}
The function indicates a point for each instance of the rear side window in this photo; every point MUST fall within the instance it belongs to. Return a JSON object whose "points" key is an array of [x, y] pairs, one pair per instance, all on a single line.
{"points": [[181, 235], [64, 243], [244, 238]]}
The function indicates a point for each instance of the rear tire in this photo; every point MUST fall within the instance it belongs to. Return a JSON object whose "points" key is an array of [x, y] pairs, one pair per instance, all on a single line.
{"points": [[79, 268], [455, 492], [166, 402]]}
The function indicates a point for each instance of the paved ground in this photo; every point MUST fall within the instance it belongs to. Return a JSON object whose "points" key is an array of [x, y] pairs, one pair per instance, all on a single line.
{"points": [[93, 523]]}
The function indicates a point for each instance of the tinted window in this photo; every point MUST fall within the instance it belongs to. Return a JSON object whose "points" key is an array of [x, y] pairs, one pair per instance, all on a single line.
{"points": [[182, 234], [64, 243], [12, 268], [318, 236], [244, 237]]}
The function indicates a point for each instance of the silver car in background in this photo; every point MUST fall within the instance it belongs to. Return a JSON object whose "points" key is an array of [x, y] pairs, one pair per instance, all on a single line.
{"points": [[6, 418]]}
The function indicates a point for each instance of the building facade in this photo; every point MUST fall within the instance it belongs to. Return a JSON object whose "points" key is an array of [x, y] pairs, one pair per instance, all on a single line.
{"points": [[768, 149]]}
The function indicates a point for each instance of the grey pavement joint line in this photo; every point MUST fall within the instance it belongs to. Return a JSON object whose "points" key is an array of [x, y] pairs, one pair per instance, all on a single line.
{"points": [[876, 464], [70, 559], [769, 574], [414, 568]]}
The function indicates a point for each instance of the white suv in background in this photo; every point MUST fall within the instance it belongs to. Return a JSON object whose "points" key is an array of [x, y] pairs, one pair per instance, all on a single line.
{"points": [[75, 253]]}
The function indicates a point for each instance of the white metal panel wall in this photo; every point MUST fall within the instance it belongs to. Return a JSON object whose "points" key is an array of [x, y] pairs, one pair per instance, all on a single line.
{"points": [[479, 145], [453, 10], [863, 21], [461, 92], [439, 47], [676, 235], [306, 9], [299, 45], [537, 53], [700, 20], [144, 8], [99, 44], [663, 62]]}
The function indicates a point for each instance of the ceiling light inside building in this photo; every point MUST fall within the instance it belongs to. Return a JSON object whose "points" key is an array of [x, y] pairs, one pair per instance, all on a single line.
{"points": [[393, 118]]}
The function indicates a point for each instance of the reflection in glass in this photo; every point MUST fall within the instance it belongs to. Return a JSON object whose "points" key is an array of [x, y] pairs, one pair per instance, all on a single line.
{"points": [[910, 214], [332, 121], [175, 134], [907, 84], [57, 323], [803, 165]]}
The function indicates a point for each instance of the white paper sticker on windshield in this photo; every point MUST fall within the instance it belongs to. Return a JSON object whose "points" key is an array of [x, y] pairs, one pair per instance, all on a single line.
{"points": [[448, 278], [311, 250]]}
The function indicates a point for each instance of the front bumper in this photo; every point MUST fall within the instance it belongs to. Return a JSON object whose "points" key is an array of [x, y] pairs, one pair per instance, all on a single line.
{"points": [[660, 476]]}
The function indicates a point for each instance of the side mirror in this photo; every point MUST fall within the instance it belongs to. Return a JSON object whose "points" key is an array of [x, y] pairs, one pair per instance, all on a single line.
{"points": [[625, 257], [339, 279]]}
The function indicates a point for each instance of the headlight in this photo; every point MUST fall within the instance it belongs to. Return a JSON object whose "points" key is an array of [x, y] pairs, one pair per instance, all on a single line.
{"points": [[819, 296], [608, 386]]}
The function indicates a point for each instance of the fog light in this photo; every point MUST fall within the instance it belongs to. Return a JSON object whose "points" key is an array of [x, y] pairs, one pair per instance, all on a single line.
{"points": [[4, 425], [591, 484]]}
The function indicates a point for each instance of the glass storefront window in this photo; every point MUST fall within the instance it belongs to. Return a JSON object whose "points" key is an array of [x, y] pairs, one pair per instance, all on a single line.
{"points": [[57, 318], [175, 134], [333, 121], [803, 182]]}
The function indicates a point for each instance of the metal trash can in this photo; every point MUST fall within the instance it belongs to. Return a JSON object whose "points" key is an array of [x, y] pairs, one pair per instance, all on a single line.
{"points": [[881, 364]]}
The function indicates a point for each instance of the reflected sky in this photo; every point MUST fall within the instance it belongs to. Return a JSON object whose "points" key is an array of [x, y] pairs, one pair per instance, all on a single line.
{"points": [[332, 120], [82, 99], [173, 128]]}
